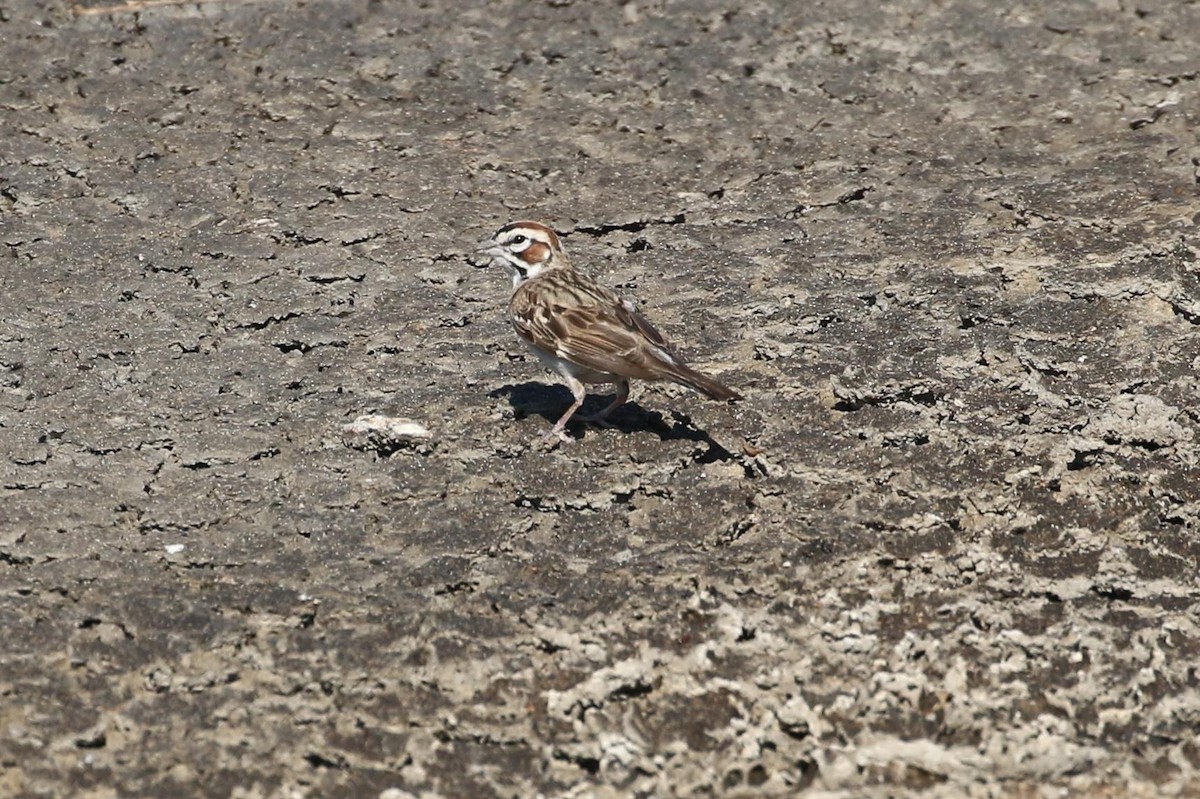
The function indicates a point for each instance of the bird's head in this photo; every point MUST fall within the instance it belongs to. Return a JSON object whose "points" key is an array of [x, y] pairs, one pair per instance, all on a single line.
{"points": [[525, 249]]}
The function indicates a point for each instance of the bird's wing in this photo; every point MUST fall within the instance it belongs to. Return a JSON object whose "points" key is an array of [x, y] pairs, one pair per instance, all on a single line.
{"points": [[591, 326]]}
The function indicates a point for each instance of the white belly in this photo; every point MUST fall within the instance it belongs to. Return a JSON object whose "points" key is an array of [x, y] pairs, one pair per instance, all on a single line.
{"points": [[568, 369]]}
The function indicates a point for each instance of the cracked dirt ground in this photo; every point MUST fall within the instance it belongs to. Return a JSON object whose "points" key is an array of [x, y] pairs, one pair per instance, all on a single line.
{"points": [[946, 547]]}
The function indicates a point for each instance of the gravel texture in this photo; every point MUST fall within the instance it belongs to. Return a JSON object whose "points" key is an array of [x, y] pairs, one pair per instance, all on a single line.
{"points": [[273, 521]]}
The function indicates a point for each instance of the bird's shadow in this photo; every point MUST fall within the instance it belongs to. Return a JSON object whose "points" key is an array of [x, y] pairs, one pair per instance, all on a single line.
{"points": [[551, 401]]}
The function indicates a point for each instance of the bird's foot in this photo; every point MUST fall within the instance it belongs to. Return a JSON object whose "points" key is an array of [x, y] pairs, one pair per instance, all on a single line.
{"points": [[598, 419], [555, 436]]}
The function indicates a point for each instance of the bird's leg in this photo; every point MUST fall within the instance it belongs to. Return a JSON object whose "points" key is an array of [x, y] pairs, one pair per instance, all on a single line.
{"points": [[619, 400], [559, 431]]}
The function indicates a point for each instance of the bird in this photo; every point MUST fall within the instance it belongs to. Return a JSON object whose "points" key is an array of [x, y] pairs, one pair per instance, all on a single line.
{"points": [[580, 329]]}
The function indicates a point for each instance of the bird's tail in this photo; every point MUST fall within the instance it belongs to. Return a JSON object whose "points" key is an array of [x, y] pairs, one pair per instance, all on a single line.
{"points": [[702, 383]]}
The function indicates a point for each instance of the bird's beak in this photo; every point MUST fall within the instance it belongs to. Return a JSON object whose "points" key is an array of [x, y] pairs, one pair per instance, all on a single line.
{"points": [[488, 247]]}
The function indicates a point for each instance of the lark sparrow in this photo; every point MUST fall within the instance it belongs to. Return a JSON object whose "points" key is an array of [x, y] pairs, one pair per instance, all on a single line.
{"points": [[580, 329]]}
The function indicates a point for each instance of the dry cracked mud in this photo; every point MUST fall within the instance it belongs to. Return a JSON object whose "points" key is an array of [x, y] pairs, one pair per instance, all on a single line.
{"points": [[946, 547]]}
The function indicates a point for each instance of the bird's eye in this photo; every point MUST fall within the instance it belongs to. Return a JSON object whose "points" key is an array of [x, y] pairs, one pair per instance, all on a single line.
{"points": [[519, 243], [519, 239]]}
